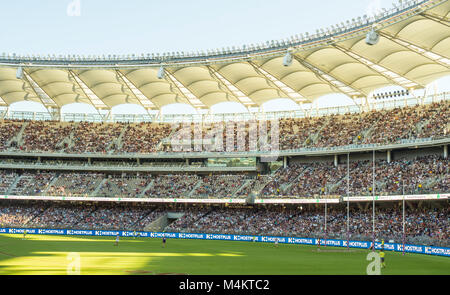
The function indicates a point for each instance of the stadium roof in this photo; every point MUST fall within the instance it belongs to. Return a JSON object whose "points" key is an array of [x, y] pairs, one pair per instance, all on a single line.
{"points": [[413, 50]]}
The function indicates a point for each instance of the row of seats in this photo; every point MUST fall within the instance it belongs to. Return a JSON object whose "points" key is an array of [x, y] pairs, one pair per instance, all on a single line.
{"points": [[420, 223], [421, 175], [427, 174], [423, 225], [87, 216], [374, 127]]}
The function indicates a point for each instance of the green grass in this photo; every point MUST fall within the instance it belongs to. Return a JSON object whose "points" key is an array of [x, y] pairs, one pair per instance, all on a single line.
{"points": [[40, 254]]}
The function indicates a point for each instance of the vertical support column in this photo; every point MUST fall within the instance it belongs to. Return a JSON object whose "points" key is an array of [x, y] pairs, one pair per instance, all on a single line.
{"points": [[262, 167], [435, 91], [89, 161], [284, 162], [138, 160], [388, 156], [336, 158], [55, 113], [187, 161], [367, 103], [445, 151]]}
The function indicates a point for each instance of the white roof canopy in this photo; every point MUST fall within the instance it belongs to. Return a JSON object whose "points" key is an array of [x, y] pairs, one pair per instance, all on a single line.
{"points": [[413, 50]]}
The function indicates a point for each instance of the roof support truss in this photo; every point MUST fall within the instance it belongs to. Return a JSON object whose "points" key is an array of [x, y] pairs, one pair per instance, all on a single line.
{"points": [[392, 77], [106, 116], [46, 100], [192, 99], [437, 18], [143, 100], [95, 101], [331, 80], [245, 100], [2, 102], [439, 59], [288, 91]]}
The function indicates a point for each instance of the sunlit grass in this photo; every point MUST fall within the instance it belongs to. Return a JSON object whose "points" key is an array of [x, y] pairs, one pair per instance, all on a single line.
{"points": [[47, 238], [42, 254]]}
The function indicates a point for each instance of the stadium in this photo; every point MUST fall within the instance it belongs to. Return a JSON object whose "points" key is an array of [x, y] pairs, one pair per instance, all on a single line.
{"points": [[306, 191]]}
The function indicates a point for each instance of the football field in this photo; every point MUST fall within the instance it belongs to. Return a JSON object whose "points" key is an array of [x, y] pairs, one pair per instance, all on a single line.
{"points": [[48, 255]]}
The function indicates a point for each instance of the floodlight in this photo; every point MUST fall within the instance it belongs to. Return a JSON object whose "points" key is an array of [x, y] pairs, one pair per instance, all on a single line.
{"points": [[161, 73], [372, 37], [287, 60], [19, 73]]}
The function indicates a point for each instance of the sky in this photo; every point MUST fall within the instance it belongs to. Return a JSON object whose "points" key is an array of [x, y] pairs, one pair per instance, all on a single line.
{"points": [[100, 27]]}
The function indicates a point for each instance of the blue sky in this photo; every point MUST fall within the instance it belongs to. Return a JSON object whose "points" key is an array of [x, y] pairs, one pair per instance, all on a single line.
{"points": [[138, 26]]}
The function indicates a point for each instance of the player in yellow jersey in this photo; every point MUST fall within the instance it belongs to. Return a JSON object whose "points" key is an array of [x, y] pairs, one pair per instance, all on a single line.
{"points": [[383, 264]]}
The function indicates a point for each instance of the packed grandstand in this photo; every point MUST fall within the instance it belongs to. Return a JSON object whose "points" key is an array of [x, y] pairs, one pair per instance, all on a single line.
{"points": [[389, 148], [390, 126], [428, 226]]}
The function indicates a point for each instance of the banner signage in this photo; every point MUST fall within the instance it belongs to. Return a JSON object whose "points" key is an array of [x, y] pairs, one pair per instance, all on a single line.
{"points": [[397, 198], [440, 251], [235, 201], [297, 201], [139, 200]]}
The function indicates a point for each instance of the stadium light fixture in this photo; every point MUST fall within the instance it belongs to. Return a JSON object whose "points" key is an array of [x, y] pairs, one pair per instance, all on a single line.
{"points": [[19, 73], [372, 37], [287, 60], [161, 73]]}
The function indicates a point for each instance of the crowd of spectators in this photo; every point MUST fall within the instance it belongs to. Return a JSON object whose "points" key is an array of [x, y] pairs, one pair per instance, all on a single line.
{"points": [[297, 133], [424, 174], [129, 187], [282, 177], [45, 136], [190, 215], [143, 137], [75, 184], [342, 130], [373, 127], [95, 137], [256, 184], [422, 224], [177, 185], [146, 220], [114, 218], [33, 184], [80, 216], [18, 215], [60, 216], [7, 178], [242, 221], [317, 179], [221, 186], [391, 126], [8, 129]]}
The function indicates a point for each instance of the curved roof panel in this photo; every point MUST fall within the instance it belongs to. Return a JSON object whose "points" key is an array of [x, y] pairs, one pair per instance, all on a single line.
{"points": [[413, 50]]}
